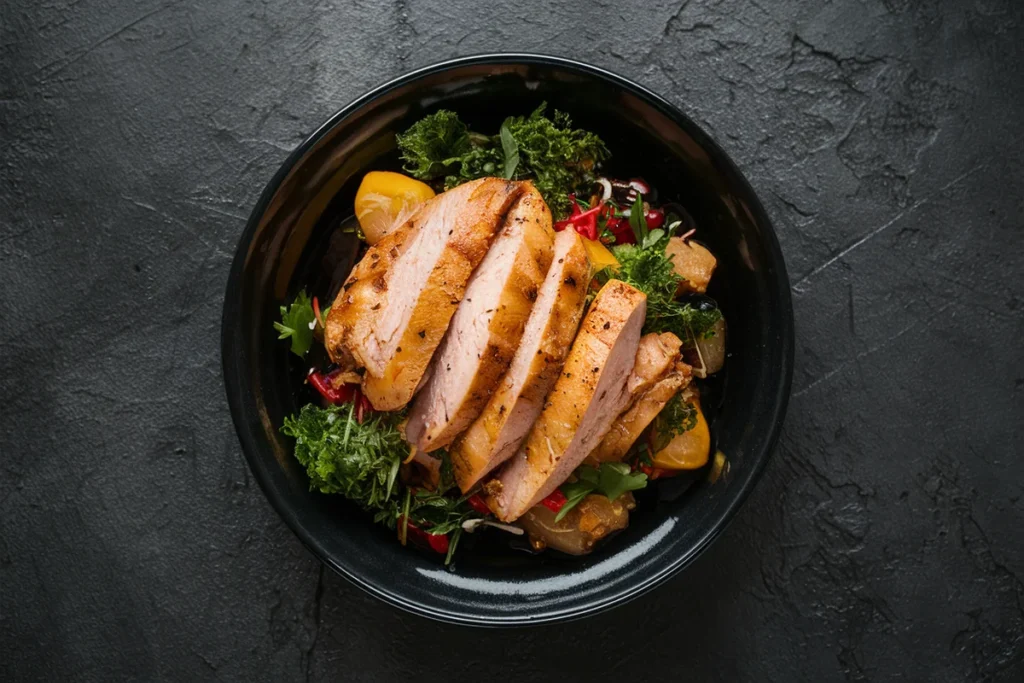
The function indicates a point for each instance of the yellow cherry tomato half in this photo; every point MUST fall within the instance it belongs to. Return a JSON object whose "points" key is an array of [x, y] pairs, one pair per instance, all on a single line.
{"points": [[383, 196]]}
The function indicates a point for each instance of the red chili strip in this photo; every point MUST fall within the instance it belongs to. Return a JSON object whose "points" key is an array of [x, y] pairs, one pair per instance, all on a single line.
{"points": [[555, 500], [476, 502]]}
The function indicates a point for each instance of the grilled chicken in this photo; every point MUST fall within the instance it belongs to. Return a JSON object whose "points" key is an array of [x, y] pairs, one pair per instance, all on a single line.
{"points": [[394, 308], [693, 263], [506, 419], [654, 380], [588, 395], [484, 333]]}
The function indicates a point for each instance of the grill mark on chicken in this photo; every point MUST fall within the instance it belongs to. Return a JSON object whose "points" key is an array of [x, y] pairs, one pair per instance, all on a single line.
{"points": [[581, 407], [518, 397]]}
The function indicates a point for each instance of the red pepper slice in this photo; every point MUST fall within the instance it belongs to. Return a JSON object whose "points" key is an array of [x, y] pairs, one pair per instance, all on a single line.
{"points": [[476, 502], [436, 542], [555, 500], [335, 394]]}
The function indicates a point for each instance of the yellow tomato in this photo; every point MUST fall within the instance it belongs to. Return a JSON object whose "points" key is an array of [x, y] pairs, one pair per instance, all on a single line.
{"points": [[600, 255], [689, 450], [382, 196]]}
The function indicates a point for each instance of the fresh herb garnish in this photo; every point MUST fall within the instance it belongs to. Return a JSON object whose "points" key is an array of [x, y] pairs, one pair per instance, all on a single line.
{"points": [[558, 158], [647, 267], [342, 455], [676, 417], [297, 323], [361, 462], [511, 149], [611, 479]]}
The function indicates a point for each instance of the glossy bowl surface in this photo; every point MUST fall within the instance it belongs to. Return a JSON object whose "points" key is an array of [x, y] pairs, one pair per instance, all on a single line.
{"points": [[292, 241]]}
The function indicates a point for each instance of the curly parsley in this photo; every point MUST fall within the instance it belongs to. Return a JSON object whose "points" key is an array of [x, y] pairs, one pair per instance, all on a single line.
{"points": [[558, 158], [361, 462], [647, 267]]}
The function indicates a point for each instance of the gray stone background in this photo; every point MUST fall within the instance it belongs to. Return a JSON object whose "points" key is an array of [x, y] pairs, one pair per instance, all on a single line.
{"points": [[885, 539]]}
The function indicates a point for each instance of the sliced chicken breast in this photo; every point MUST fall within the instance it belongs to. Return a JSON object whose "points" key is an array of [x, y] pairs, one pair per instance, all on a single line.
{"points": [[590, 393], [485, 331], [394, 308], [628, 426], [513, 408]]}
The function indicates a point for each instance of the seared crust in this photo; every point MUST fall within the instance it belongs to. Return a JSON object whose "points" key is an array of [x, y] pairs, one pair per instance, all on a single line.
{"points": [[486, 329], [393, 330], [504, 422], [588, 395]]}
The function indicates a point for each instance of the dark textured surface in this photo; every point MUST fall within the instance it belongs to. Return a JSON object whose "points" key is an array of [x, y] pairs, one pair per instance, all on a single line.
{"points": [[885, 537]]}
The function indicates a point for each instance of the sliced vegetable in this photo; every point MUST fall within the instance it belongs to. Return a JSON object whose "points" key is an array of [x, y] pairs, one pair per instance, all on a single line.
{"points": [[688, 449], [382, 197], [600, 256], [594, 518]]}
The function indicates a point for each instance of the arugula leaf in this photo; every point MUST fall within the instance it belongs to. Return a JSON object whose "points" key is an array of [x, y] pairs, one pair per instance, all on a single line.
{"points": [[297, 322], [611, 479], [616, 479], [508, 144], [578, 490]]}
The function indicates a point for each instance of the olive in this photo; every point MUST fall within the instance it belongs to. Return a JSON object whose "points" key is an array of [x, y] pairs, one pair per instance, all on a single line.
{"points": [[701, 302]]}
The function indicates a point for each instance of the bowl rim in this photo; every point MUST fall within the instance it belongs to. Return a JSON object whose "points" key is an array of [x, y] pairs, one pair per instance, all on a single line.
{"points": [[235, 381]]}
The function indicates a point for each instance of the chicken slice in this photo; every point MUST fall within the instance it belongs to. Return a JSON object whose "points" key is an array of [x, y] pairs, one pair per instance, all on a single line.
{"points": [[506, 419], [485, 330], [394, 308], [628, 426], [588, 395]]}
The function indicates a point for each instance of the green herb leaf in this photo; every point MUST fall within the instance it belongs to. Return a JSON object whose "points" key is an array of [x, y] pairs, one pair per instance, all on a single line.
{"points": [[638, 220], [675, 418], [359, 461], [296, 324], [616, 479], [508, 144], [558, 158], [574, 493], [653, 237], [611, 479]]}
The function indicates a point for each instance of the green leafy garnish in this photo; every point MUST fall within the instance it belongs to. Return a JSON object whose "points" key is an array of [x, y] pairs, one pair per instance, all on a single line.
{"points": [[676, 417], [611, 479], [434, 144], [361, 462], [638, 220], [297, 321], [558, 158], [647, 267], [511, 149]]}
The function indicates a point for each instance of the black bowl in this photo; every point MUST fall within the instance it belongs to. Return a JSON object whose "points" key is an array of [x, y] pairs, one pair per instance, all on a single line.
{"points": [[291, 241]]}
